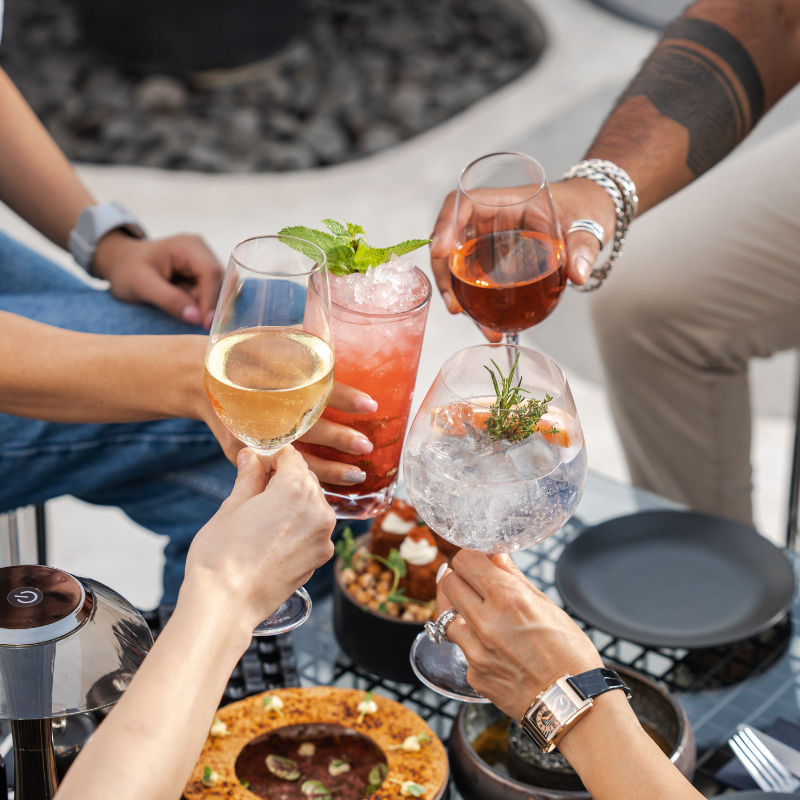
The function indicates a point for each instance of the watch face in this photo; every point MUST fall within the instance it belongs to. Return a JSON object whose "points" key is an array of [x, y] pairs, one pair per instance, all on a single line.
{"points": [[555, 710], [546, 722]]}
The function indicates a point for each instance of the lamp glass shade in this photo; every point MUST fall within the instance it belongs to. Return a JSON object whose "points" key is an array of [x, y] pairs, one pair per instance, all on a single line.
{"points": [[67, 645]]}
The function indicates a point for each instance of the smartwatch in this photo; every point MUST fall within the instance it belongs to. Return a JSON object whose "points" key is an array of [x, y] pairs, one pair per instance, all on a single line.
{"points": [[93, 224], [557, 710]]}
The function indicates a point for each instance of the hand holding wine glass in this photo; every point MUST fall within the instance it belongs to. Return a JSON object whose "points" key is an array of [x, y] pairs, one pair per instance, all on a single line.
{"points": [[506, 259], [269, 361], [572, 200]]}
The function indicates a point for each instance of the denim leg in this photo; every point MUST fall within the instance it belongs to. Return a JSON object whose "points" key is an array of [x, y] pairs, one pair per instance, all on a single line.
{"points": [[175, 504], [170, 476]]}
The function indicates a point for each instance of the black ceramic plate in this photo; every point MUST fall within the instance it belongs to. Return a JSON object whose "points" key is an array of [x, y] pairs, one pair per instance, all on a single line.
{"points": [[675, 579], [760, 796]]}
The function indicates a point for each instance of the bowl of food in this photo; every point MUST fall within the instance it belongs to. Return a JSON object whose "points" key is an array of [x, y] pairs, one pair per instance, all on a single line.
{"points": [[492, 757], [385, 590], [319, 743]]}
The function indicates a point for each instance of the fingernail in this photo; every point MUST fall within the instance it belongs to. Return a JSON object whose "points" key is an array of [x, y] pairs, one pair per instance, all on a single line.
{"points": [[448, 299], [584, 267], [366, 405], [209, 320], [242, 458], [362, 445], [440, 573], [191, 315], [355, 476]]}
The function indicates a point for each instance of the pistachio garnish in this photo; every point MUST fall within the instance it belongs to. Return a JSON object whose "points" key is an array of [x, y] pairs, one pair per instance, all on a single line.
{"points": [[283, 768], [412, 744], [273, 703], [210, 778], [307, 749], [218, 729], [367, 706], [409, 788], [338, 767], [313, 789], [377, 775]]}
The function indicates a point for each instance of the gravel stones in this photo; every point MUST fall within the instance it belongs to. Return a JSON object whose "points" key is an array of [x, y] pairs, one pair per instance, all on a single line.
{"points": [[361, 77]]}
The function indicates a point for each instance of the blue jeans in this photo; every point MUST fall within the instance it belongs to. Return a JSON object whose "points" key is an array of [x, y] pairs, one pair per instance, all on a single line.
{"points": [[169, 476]]}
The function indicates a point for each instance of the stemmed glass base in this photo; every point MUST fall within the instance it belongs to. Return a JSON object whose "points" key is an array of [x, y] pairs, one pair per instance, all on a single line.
{"points": [[291, 614], [443, 668]]}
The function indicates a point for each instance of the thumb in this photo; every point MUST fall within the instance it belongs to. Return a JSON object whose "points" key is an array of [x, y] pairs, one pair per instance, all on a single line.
{"points": [[251, 480], [582, 252]]}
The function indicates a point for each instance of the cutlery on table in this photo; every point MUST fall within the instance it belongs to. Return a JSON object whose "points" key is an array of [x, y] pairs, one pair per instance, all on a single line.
{"points": [[788, 756], [761, 764]]}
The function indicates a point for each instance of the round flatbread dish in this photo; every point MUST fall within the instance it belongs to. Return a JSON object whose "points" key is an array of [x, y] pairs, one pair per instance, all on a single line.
{"points": [[388, 727]]}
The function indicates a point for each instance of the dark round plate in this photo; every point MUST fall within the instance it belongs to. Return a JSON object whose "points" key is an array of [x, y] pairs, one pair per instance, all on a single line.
{"points": [[675, 579]]}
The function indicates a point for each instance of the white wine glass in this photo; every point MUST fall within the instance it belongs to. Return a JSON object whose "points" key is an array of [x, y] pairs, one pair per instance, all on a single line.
{"points": [[269, 361]]}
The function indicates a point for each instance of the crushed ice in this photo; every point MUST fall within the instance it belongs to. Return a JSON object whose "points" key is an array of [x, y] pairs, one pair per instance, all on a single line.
{"points": [[392, 287]]}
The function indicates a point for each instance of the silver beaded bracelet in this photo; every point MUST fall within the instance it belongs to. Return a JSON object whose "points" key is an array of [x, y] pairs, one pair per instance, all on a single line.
{"points": [[622, 191]]}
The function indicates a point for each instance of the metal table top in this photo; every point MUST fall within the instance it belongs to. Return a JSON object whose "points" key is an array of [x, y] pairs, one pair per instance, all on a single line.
{"points": [[753, 682]]}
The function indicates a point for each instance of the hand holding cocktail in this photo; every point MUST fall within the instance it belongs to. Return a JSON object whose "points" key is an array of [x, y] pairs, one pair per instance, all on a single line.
{"points": [[495, 461]]}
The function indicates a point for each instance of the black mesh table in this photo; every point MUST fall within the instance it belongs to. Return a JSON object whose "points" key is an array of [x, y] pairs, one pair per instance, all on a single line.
{"points": [[752, 682]]}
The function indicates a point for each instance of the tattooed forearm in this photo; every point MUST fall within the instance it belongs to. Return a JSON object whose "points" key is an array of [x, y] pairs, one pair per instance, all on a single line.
{"points": [[702, 77]]}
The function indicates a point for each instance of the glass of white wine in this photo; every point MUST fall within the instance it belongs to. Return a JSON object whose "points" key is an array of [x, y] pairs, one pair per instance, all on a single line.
{"points": [[269, 361]]}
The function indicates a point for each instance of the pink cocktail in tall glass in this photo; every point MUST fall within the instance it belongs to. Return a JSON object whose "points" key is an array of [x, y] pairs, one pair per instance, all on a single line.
{"points": [[378, 322]]}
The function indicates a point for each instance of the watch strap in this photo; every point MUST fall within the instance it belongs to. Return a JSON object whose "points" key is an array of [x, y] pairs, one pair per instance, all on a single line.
{"points": [[596, 682], [94, 223]]}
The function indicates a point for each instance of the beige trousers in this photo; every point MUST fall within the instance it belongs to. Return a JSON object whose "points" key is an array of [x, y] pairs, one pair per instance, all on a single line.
{"points": [[708, 280]]}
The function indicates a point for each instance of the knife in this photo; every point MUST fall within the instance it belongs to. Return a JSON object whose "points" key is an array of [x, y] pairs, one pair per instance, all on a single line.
{"points": [[788, 756]]}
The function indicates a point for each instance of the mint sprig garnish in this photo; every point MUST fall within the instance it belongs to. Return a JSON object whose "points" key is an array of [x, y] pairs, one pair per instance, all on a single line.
{"points": [[345, 246]]}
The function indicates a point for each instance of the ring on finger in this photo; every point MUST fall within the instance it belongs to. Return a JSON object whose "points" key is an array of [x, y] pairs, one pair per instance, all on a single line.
{"points": [[589, 226], [437, 631]]}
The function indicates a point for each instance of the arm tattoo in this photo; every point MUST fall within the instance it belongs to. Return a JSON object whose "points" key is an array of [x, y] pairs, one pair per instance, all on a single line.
{"points": [[702, 77]]}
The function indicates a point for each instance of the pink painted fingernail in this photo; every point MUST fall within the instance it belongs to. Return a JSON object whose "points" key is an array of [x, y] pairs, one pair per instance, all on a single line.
{"points": [[362, 445], [366, 405], [354, 476], [440, 573], [191, 315]]}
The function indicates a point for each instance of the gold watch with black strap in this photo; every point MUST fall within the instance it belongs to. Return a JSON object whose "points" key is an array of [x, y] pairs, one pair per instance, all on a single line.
{"points": [[557, 710]]}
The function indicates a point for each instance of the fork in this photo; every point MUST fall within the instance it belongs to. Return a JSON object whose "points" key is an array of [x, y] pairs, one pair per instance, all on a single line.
{"points": [[764, 768]]}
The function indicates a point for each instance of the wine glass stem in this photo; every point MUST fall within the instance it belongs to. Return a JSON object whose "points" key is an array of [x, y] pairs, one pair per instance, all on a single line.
{"points": [[512, 338]]}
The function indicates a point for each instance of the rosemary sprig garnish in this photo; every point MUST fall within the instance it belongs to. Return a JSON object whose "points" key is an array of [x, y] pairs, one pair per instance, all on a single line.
{"points": [[511, 417]]}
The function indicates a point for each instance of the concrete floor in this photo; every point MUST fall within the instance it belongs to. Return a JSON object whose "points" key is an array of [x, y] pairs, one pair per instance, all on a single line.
{"points": [[552, 113]]}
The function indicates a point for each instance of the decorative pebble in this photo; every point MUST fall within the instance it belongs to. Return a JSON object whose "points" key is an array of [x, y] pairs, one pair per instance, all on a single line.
{"points": [[362, 77]]}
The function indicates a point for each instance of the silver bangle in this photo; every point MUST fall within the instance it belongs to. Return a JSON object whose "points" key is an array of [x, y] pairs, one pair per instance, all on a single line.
{"points": [[622, 190]]}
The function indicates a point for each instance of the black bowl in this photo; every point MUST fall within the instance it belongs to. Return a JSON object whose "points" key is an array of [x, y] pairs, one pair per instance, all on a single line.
{"points": [[376, 642]]}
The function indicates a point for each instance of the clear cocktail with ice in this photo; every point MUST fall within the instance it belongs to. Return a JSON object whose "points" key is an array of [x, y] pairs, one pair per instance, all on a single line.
{"points": [[378, 321], [495, 461]]}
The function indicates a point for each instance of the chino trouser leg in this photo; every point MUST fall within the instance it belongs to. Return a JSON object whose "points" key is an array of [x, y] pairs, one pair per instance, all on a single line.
{"points": [[708, 280]]}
